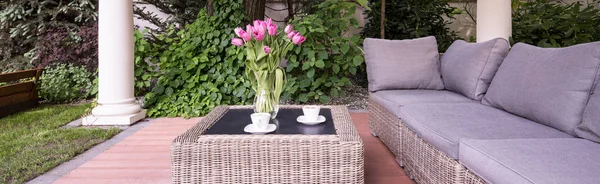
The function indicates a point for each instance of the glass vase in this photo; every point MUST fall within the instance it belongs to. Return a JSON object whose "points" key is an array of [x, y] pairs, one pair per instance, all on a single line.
{"points": [[265, 101]]}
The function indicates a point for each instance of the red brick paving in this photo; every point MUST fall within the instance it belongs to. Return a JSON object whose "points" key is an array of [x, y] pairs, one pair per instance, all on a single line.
{"points": [[144, 157]]}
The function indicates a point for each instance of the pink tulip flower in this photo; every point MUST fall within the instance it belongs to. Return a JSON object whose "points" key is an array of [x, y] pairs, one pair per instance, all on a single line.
{"points": [[288, 28], [243, 34], [267, 49], [246, 36], [264, 24], [291, 34], [249, 28], [272, 28], [238, 31], [237, 42], [259, 33], [258, 23], [269, 21], [298, 39]]}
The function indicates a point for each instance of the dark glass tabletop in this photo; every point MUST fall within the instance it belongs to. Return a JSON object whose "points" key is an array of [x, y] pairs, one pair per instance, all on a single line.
{"points": [[234, 121]]}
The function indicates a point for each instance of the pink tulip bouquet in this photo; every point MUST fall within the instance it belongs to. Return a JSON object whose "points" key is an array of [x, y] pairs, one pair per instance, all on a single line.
{"points": [[265, 47]]}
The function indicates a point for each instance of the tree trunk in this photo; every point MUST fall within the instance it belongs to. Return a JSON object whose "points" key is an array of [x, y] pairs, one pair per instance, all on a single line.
{"points": [[209, 8], [382, 19], [255, 9], [290, 6]]}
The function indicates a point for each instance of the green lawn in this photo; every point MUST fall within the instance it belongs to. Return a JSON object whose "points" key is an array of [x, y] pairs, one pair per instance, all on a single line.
{"points": [[32, 142]]}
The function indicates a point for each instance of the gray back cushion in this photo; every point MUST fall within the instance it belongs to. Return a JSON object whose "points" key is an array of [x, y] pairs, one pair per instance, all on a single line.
{"points": [[468, 68], [590, 126], [403, 64], [547, 85]]}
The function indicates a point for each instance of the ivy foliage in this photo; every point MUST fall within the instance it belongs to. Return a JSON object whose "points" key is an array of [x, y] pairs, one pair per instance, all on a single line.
{"points": [[201, 69], [146, 61], [321, 66], [407, 19], [547, 23]]}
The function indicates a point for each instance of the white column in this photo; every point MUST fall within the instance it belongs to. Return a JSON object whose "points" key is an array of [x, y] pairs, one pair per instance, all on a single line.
{"points": [[116, 101], [494, 19]]}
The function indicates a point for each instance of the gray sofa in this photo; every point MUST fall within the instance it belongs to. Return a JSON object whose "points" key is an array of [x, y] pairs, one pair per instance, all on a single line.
{"points": [[484, 113]]}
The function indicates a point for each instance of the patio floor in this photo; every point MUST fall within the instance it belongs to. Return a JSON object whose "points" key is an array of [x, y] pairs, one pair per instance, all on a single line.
{"points": [[144, 156]]}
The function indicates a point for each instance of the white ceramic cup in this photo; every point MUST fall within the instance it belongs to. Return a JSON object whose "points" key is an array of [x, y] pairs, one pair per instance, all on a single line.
{"points": [[311, 112], [260, 120]]}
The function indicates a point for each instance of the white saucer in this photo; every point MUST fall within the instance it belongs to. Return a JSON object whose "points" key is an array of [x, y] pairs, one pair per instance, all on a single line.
{"points": [[302, 120], [250, 128]]}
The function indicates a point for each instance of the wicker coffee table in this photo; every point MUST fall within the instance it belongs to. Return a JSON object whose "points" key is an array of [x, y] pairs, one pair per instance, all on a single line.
{"points": [[217, 150]]}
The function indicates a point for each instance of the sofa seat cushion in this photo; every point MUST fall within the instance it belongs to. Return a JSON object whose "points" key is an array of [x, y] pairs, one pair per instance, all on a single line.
{"points": [[443, 125], [546, 85], [403, 64], [391, 100], [559, 161], [468, 68]]}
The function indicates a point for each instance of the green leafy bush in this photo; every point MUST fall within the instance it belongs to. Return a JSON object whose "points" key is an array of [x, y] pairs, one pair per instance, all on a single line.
{"points": [[547, 23], [146, 60], [65, 83], [320, 67], [406, 19], [201, 69], [15, 64]]}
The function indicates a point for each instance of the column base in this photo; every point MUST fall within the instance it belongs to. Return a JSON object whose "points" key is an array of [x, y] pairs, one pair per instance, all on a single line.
{"points": [[127, 120]]}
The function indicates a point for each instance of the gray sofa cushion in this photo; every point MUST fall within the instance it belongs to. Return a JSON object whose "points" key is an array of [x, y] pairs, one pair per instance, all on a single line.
{"points": [[547, 85], [393, 99], [468, 68], [443, 125], [403, 64], [560, 161], [590, 126]]}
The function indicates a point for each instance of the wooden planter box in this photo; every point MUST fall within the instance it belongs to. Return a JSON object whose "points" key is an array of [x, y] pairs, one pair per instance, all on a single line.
{"points": [[18, 96]]}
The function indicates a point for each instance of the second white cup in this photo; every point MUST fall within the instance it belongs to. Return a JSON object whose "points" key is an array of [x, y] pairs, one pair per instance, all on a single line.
{"points": [[311, 112], [260, 120]]}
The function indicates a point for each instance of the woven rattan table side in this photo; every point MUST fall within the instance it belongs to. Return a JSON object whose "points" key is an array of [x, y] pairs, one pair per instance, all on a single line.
{"points": [[198, 158]]}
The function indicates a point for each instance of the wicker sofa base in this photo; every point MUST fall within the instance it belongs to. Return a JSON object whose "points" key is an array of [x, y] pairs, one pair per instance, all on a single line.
{"points": [[387, 127], [472, 178], [421, 161], [426, 164]]}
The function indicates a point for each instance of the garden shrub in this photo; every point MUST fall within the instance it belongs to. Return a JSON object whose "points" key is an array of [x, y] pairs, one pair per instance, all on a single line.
{"points": [[547, 23], [320, 67], [145, 62], [181, 12], [407, 19], [60, 45], [11, 54], [24, 22], [65, 83], [201, 69], [15, 64]]}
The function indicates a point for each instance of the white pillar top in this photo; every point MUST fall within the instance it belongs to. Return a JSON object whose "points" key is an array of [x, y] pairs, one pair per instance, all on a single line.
{"points": [[494, 19]]}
